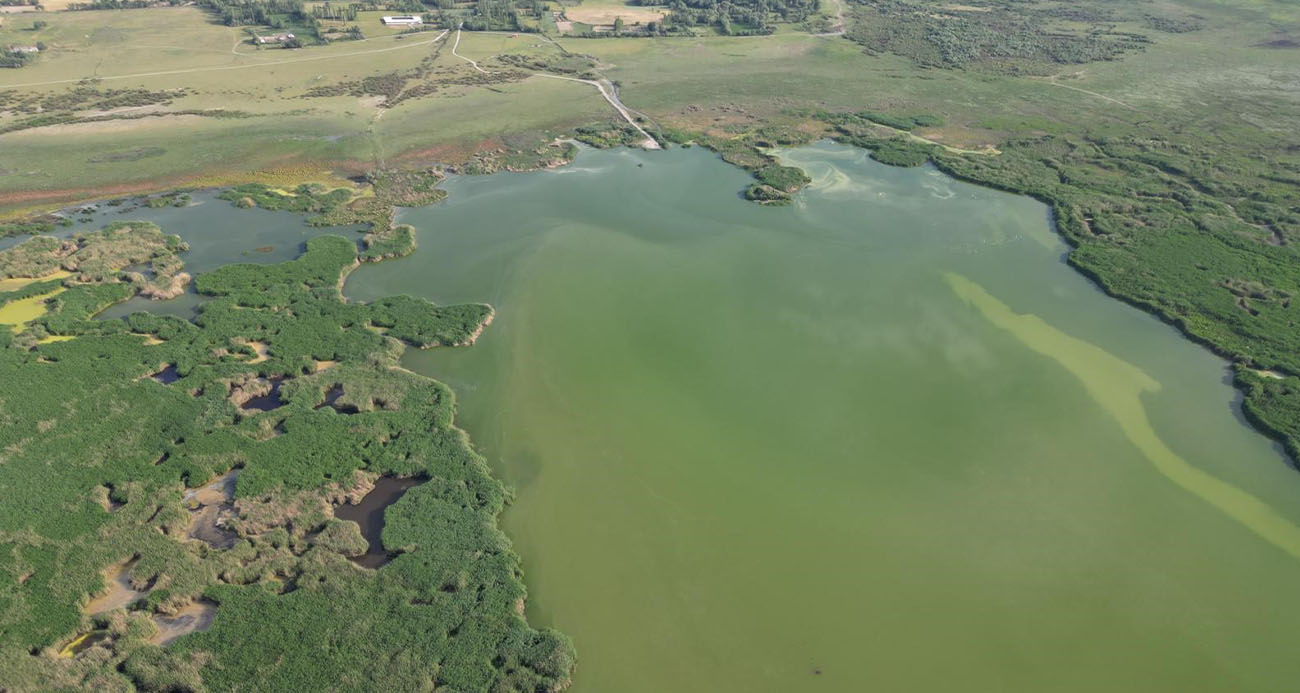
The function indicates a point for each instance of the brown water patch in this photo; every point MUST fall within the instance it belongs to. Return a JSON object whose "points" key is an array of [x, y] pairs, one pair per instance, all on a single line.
{"points": [[331, 400], [121, 593], [331, 396], [265, 402], [369, 514], [211, 508], [194, 617], [167, 375]]}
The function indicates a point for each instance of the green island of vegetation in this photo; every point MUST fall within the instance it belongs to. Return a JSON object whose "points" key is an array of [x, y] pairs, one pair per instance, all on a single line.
{"points": [[1162, 135], [292, 397]]}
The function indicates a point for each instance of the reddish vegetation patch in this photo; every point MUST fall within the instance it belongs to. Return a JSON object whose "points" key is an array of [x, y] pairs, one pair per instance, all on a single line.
{"points": [[56, 196], [450, 152], [43, 199]]}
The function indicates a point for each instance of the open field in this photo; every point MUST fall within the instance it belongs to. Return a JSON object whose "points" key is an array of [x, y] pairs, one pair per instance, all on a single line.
{"points": [[278, 134], [604, 12]]}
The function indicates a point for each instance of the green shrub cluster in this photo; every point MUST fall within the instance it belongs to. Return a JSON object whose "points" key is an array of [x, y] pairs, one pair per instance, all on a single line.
{"points": [[734, 18], [488, 15], [608, 134], [14, 57], [901, 122], [1003, 35], [900, 153], [83, 97], [30, 226], [307, 198]]}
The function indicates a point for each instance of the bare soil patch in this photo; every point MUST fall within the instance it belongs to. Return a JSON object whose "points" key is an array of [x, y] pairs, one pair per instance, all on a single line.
{"points": [[607, 14], [121, 592], [211, 509], [105, 126], [196, 616]]}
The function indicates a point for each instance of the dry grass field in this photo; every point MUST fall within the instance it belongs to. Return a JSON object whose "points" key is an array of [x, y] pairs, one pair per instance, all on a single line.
{"points": [[604, 12], [208, 76], [307, 112]]}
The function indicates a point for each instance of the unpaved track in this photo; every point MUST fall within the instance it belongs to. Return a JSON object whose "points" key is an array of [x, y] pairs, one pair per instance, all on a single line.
{"points": [[1053, 81], [838, 29], [456, 45], [603, 86], [607, 91]]}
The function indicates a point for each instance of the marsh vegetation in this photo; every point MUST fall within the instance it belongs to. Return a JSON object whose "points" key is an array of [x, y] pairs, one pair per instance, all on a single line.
{"points": [[200, 588]]}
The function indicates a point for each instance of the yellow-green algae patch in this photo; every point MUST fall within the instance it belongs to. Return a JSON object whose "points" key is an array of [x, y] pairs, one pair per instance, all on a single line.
{"points": [[1118, 387], [82, 642], [17, 283], [18, 313]]}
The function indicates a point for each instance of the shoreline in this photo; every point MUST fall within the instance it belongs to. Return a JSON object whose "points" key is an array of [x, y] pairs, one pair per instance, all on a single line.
{"points": [[1060, 221]]}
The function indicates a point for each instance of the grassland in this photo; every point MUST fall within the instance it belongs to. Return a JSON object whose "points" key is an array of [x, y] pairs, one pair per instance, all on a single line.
{"points": [[279, 136]]}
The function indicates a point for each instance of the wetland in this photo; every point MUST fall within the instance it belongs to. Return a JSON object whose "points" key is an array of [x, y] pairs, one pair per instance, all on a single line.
{"points": [[881, 437]]}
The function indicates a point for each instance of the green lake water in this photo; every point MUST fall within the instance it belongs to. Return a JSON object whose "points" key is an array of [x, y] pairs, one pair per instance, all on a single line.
{"points": [[881, 440]]}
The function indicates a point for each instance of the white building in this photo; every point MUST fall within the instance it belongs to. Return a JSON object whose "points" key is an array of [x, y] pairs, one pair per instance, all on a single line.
{"points": [[403, 20]]}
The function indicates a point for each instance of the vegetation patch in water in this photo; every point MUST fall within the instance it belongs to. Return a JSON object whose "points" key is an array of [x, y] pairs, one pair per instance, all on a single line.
{"points": [[136, 411]]}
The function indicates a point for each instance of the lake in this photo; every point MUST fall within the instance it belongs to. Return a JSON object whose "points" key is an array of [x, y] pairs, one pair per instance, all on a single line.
{"points": [[883, 439], [793, 449]]}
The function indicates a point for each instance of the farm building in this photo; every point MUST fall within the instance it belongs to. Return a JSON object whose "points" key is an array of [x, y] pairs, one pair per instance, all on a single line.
{"points": [[403, 20], [275, 38]]}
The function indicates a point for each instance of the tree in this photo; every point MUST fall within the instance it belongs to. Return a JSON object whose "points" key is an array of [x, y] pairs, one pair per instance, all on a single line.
{"points": [[618, 25]]}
